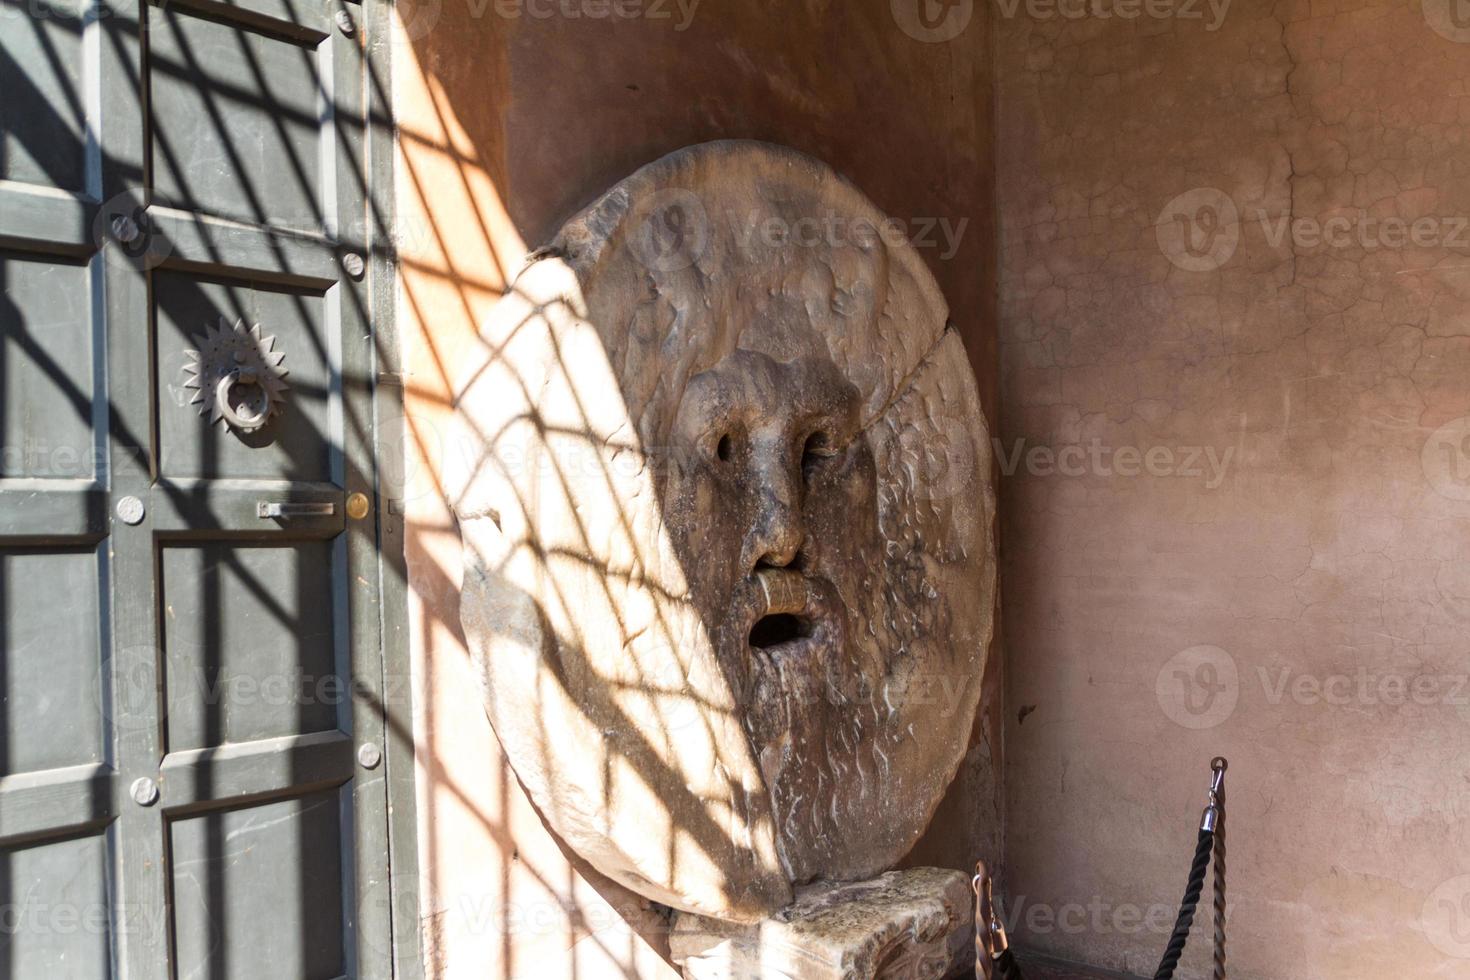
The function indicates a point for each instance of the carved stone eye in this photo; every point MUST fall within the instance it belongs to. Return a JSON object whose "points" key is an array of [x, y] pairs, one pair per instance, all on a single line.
{"points": [[819, 447], [724, 448]]}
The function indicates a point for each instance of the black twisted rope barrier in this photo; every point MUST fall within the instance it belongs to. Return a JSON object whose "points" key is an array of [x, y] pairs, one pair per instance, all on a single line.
{"points": [[1220, 884], [995, 961], [1182, 924]]}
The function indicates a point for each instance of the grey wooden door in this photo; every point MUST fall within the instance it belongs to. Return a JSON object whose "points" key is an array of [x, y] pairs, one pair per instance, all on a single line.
{"points": [[190, 670]]}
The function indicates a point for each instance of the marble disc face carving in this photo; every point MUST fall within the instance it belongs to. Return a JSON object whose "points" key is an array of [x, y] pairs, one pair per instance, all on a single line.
{"points": [[726, 506]]}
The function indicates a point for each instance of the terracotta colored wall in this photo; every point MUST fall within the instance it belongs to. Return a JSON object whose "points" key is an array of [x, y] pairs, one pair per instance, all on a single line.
{"points": [[511, 119], [1305, 610]]}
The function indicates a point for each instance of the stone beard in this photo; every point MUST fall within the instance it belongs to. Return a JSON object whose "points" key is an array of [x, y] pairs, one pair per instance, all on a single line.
{"points": [[727, 529]]}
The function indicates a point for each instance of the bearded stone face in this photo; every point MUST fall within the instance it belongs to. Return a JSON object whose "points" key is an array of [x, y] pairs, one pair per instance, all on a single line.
{"points": [[774, 500], [778, 495], [728, 566]]}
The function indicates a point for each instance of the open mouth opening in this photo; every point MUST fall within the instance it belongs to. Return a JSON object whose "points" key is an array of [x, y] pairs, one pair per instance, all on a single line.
{"points": [[779, 628]]}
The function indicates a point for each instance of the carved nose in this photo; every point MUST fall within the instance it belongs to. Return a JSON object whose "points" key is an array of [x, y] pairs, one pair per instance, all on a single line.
{"points": [[777, 534], [776, 538]]}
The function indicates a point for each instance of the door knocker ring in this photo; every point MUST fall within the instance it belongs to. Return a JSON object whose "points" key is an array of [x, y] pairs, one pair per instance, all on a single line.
{"points": [[237, 376]]}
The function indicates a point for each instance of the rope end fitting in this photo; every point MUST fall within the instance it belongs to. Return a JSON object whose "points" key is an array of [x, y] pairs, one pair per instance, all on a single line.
{"points": [[1210, 819], [990, 935]]}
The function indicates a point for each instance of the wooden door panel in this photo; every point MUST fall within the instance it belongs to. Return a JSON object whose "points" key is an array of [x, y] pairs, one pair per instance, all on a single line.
{"points": [[50, 717], [213, 81], [59, 904], [253, 640], [47, 365], [261, 885], [43, 115]]}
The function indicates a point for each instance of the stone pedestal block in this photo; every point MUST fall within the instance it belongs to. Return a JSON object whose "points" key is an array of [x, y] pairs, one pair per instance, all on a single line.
{"points": [[903, 925]]}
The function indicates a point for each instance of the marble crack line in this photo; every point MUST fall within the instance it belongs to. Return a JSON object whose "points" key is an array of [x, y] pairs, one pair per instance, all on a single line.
{"points": [[907, 382]]}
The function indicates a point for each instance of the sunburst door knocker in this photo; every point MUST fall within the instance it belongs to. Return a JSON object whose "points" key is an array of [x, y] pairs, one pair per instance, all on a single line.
{"points": [[238, 376]]}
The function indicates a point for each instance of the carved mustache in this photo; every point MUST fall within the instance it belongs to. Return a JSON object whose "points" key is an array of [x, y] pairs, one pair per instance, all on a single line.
{"points": [[784, 591]]}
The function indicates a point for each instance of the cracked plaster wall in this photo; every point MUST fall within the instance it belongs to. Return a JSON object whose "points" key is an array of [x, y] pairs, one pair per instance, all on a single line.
{"points": [[1302, 603]]}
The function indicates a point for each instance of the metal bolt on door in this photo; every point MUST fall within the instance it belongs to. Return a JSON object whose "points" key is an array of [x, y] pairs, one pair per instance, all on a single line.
{"points": [[189, 619]]}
